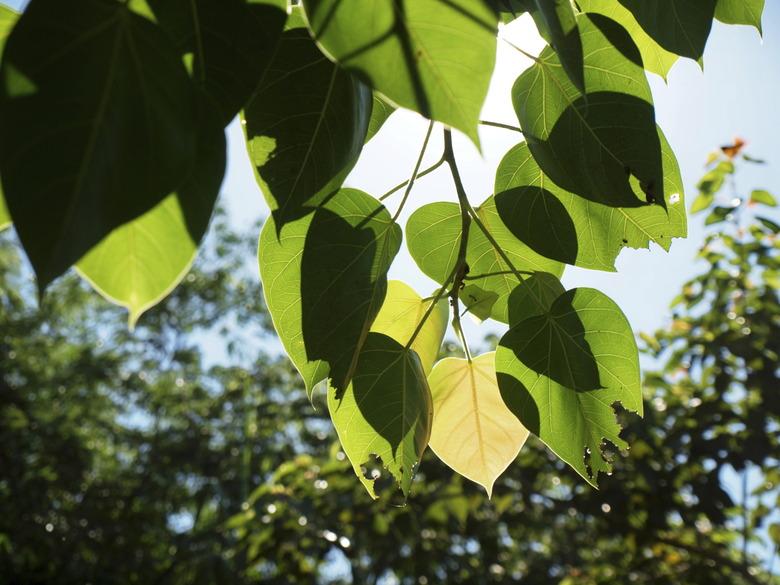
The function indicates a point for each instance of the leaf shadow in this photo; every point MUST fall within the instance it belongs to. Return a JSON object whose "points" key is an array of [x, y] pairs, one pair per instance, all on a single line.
{"points": [[587, 152], [551, 343], [538, 218], [341, 290]]}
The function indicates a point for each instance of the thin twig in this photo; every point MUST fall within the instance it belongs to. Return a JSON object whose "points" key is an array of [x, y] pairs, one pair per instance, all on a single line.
{"points": [[410, 185], [420, 175], [501, 125]]}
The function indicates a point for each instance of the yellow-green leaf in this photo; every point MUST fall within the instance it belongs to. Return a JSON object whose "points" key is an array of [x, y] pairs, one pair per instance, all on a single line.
{"points": [[402, 311]]}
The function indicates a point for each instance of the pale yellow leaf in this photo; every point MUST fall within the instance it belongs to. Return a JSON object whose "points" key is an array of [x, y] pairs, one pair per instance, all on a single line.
{"points": [[473, 431]]}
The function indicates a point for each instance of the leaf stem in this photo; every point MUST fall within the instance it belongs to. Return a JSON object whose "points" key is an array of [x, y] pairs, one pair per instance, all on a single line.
{"points": [[421, 174], [533, 58], [462, 268], [501, 125], [410, 182]]}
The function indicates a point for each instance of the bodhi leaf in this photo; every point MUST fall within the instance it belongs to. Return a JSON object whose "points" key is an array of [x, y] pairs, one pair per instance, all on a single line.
{"points": [[473, 431], [740, 12], [433, 57], [325, 278], [105, 88], [140, 262], [305, 127], [381, 110], [558, 25], [230, 43], [571, 229], [402, 310], [681, 27], [602, 146], [433, 235], [655, 58], [385, 411], [561, 368]]}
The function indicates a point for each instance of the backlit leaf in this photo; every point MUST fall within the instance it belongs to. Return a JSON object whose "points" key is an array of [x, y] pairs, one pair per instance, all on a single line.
{"points": [[655, 58], [603, 146], [140, 262], [433, 233], [381, 110], [473, 431], [402, 310], [558, 25], [740, 12], [572, 229], [430, 56], [325, 278], [385, 412], [105, 89], [562, 367], [305, 127]]}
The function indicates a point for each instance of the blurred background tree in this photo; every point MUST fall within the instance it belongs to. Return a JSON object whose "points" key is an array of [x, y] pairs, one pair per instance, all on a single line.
{"points": [[187, 451]]}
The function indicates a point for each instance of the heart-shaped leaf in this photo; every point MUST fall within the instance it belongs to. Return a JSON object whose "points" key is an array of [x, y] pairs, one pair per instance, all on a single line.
{"points": [[562, 367], [473, 431], [106, 90]]}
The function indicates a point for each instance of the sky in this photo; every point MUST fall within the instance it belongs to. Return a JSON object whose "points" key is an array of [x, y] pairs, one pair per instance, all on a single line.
{"points": [[734, 95]]}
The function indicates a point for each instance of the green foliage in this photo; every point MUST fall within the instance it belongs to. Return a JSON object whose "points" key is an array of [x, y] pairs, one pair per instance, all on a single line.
{"points": [[133, 98]]}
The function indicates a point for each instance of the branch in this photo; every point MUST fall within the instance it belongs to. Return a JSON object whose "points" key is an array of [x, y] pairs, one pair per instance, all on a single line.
{"points": [[461, 267]]}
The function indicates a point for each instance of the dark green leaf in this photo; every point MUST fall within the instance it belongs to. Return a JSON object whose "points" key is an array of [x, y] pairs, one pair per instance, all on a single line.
{"points": [[562, 367], [385, 412], [679, 26], [230, 43], [604, 145], [563, 226], [430, 56], [105, 90], [325, 278], [769, 224], [305, 127]]}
